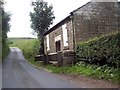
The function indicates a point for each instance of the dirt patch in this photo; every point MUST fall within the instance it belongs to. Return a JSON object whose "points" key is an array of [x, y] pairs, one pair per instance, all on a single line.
{"points": [[87, 82]]}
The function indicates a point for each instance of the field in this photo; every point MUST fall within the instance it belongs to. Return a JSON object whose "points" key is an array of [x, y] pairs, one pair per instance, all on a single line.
{"points": [[29, 47]]}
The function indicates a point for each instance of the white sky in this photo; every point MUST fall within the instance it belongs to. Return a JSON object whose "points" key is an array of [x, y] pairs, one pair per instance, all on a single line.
{"points": [[20, 19]]}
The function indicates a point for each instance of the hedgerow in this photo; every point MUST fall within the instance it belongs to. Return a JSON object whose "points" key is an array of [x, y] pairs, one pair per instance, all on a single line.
{"points": [[104, 50]]}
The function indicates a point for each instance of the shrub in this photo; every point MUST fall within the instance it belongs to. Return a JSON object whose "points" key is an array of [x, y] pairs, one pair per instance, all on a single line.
{"points": [[5, 50], [100, 51]]}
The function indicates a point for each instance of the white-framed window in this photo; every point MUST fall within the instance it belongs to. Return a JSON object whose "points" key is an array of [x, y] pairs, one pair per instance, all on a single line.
{"points": [[48, 43], [65, 35]]}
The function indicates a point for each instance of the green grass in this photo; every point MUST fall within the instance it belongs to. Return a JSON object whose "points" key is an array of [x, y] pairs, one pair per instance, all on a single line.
{"points": [[94, 71], [29, 47]]}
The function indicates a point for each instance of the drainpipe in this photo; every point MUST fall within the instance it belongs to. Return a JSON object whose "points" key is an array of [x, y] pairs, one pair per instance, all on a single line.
{"points": [[74, 39]]}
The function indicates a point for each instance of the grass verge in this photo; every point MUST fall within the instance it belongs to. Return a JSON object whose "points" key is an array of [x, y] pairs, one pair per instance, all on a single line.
{"points": [[94, 71]]}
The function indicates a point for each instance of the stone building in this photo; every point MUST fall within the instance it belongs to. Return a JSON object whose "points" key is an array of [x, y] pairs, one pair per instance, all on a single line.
{"points": [[59, 42], [88, 21]]}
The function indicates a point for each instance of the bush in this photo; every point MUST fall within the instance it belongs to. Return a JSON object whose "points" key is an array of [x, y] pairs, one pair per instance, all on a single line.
{"points": [[100, 51], [5, 50]]}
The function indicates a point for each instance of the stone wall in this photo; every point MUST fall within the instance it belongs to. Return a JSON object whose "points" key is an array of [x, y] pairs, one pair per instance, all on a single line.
{"points": [[58, 32], [95, 19], [52, 36], [70, 35]]}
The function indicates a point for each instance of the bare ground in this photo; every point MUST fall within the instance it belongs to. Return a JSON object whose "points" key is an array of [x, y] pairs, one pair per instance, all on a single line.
{"points": [[87, 82]]}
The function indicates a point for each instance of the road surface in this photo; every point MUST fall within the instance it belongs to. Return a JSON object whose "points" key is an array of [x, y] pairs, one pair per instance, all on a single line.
{"points": [[18, 73]]}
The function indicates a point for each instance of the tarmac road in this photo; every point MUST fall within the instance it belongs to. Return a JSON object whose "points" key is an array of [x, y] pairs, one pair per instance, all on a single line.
{"points": [[18, 73]]}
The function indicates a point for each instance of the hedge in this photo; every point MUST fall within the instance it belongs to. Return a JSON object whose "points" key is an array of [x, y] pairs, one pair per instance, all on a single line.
{"points": [[100, 51], [5, 50]]}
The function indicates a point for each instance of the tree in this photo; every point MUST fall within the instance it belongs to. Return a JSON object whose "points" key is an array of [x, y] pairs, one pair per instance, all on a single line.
{"points": [[5, 26], [41, 18]]}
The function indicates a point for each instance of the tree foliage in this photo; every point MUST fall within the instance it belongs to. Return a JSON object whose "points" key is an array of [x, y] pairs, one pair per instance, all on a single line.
{"points": [[41, 17], [5, 24]]}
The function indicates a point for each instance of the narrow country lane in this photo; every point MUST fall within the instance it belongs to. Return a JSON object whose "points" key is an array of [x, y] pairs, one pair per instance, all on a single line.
{"points": [[18, 73]]}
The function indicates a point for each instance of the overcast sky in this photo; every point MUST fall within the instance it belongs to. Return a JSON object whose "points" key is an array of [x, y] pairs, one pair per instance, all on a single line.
{"points": [[20, 19]]}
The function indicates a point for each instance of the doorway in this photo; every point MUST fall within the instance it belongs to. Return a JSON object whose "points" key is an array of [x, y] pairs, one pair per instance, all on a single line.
{"points": [[58, 46]]}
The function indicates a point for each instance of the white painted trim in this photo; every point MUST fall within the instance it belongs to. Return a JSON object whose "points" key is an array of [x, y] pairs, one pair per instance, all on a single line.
{"points": [[48, 43], [65, 35]]}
